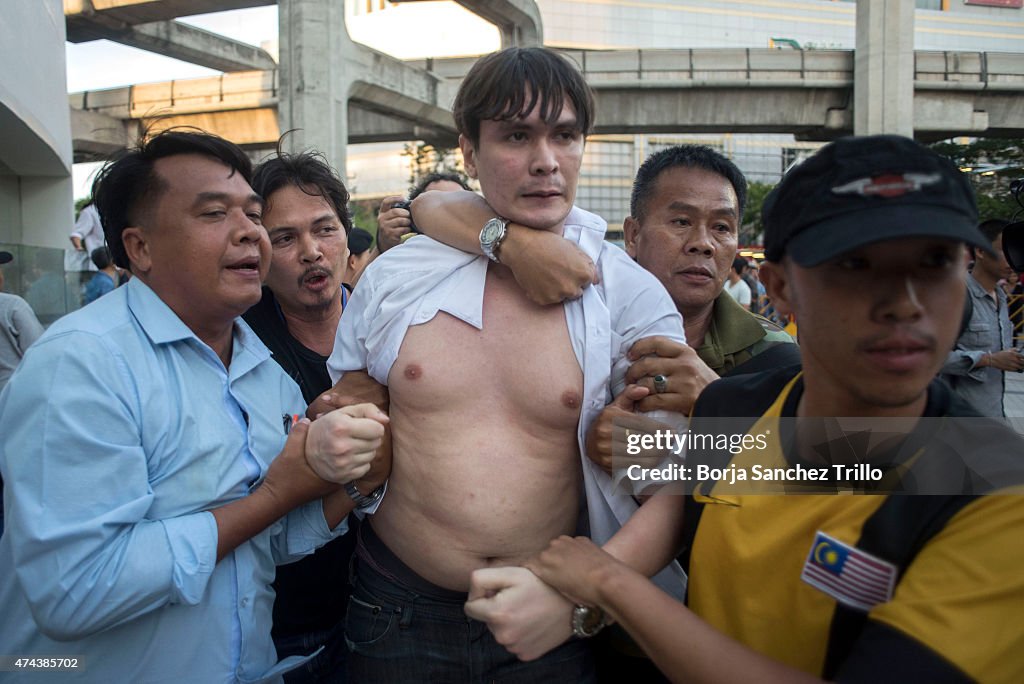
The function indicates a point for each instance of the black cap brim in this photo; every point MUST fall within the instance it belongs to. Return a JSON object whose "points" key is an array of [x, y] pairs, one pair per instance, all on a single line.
{"points": [[840, 234], [6, 257]]}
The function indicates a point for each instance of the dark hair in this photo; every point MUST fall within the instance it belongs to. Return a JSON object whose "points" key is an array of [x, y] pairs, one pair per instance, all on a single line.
{"points": [[991, 229], [421, 187], [739, 264], [310, 173], [127, 187], [689, 156], [101, 257], [497, 86]]}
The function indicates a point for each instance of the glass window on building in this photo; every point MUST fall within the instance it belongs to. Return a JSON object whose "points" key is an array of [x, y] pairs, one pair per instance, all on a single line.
{"points": [[606, 179]]}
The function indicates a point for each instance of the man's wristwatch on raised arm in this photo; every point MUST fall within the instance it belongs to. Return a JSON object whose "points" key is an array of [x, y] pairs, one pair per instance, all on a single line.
{"points": [[364, 501], [587, 621], [491, 237]]}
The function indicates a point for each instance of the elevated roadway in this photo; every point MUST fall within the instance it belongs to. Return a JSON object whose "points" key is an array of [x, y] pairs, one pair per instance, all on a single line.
{"points": [[805, 92], [149, 25]]}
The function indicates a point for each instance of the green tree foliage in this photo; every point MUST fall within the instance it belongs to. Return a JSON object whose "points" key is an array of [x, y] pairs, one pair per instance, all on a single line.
{"points": [[425, 159], [80, 204], [752, 230], [991, 164], [364, 215]]}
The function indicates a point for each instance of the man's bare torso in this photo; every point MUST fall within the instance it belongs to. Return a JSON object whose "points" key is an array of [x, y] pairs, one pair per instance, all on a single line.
{"points": [[486, 463]]}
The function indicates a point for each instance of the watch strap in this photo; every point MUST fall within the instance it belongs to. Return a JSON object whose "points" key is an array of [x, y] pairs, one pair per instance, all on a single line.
{"points": [[363, 500]]}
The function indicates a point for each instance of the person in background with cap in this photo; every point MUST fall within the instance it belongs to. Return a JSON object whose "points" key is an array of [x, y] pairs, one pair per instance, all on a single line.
{"points": [[19, 328], [864, 243], [360, 255], [976, 368]]}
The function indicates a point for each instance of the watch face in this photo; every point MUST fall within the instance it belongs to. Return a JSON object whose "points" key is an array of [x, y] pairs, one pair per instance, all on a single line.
{"points": [[587, 621], [491, 232]]}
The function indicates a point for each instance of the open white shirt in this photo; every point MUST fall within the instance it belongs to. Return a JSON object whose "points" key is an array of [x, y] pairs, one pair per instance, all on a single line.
{"points": [[408, 285]]}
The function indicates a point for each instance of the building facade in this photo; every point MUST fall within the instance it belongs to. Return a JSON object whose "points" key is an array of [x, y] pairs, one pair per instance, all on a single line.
{"points": [[611, 160], [35, 153]]}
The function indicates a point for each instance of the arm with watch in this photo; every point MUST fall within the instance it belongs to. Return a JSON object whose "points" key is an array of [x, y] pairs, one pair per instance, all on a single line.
{"points": [[362, 495], [529, 617], [683, 646], [549, 268]]}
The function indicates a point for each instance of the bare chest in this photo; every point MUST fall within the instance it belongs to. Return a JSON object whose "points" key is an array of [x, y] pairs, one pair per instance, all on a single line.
{"points": [[522, 360]]}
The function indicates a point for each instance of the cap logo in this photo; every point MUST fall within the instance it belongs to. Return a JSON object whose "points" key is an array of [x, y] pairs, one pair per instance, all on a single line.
{"points": [[888, 185]]}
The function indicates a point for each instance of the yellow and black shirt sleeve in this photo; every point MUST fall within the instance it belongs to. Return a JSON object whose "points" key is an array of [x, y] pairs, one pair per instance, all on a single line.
{"points": [[956, 614]]}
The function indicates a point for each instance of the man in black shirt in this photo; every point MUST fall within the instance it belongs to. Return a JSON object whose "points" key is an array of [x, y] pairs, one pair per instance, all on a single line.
{"points": [[307, 219]]}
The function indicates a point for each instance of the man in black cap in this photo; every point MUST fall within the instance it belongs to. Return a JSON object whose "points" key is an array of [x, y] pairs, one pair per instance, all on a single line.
{"points": [[864, 244], [360, 255]]}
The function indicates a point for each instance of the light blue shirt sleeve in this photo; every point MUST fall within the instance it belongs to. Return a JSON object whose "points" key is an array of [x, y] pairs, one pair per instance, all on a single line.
{"points": [[89, 562], [964, 362], [303, 531], [981, 336]]}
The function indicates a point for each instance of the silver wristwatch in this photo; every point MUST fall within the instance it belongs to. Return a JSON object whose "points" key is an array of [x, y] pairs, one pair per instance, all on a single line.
{"points": [[491, 237], [587, 621], [364, 501]]}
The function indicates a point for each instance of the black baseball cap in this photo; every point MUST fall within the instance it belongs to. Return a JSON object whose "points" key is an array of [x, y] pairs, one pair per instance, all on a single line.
{"points": [[6, 257], [359, 241], [857, 191]]}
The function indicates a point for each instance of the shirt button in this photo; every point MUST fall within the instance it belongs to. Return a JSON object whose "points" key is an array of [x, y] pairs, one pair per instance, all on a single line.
{"points": [[245, 602]]}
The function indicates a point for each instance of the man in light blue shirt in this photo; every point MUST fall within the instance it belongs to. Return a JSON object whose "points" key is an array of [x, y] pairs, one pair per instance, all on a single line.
{"points": [[151, 483]]}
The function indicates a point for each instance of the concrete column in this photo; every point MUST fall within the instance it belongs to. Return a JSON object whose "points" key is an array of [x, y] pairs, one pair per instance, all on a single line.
{"points": [[883, 78], [314, 87]]}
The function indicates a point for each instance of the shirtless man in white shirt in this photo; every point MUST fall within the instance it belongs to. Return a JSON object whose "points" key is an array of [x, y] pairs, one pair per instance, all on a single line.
{"points": [[491, 394]]}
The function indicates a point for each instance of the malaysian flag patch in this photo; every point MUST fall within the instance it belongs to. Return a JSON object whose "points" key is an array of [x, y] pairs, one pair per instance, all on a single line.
{"points": [[847, 574]]}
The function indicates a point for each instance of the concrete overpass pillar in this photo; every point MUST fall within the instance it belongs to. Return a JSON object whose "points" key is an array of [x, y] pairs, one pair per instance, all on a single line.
{"points": [[883, 77], [313, 84]]}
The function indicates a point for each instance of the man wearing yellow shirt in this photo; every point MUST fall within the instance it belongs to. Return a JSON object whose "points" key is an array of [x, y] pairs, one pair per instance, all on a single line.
{"points": [[864, 245]]}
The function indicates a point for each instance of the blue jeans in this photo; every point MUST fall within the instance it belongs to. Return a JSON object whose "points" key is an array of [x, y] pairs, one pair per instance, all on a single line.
{"points": [[401, 628]]}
